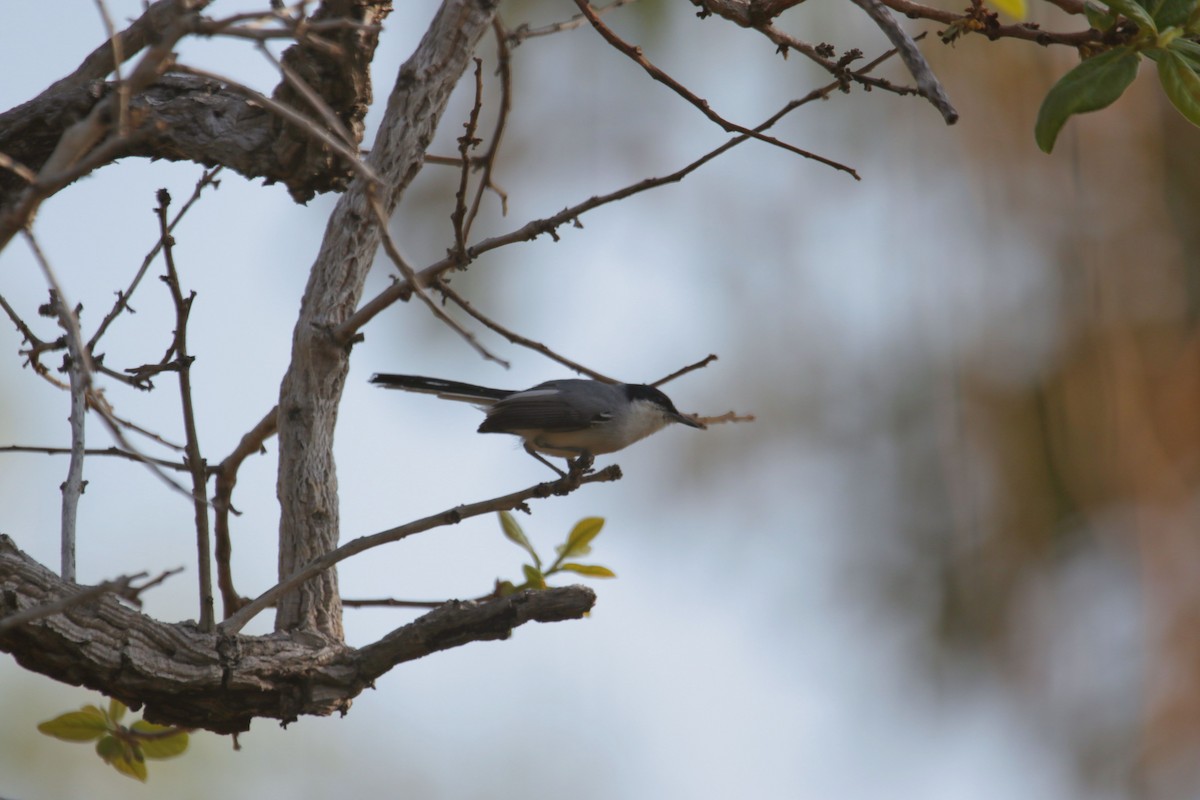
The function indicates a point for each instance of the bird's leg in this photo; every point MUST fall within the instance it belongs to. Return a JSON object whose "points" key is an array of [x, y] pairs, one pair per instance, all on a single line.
{"points": [[581, 464], [529, 449]]}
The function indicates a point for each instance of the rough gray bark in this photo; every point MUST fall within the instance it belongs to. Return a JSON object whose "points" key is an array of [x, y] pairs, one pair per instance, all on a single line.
{"points": [[222, 683], [312, 388], [182, 118]]}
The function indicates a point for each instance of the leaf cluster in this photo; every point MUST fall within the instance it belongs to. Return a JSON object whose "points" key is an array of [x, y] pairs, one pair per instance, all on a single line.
{"points": [[124, 748], [1166, 31], [578, 544]]}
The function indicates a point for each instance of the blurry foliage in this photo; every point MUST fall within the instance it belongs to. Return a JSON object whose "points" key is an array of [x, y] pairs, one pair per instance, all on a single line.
{"points": [[578, 544], [1167, 33], [123, 747]]}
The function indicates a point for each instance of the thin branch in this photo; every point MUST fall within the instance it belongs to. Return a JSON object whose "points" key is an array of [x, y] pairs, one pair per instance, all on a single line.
{"points": [[388, 602], [95, 451], [635, 54], [927, 81], [330, 118], [207, 178], [466, 143], [989, 26], [516, 338], [226, 472], [524, 32], [103, 408], [17, 168], [314, 100], [79, 367], [704, 362], [100, 405], [728, 416], [194, 459], [118, 59], [36, 345], [88, 143], [147, 29], [451, 516], [389, 246], [119, 585], [488, 160], [548, 225]]}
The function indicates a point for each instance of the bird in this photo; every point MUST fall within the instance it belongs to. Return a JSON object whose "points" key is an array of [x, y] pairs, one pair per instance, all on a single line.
{"points": [[575, 419]]}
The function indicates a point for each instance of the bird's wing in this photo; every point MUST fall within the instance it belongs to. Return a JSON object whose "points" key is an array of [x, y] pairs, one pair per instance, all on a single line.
{"points": [[542, 408]]}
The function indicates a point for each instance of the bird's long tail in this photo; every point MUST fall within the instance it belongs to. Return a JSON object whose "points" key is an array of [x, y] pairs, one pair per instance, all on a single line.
{"points": [[447, 390]]}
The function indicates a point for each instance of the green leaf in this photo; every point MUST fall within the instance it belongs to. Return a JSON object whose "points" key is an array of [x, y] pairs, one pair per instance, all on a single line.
{"points": [[1135, 12], [76, 726], [1094, 84], [124, 757], [1098, 18], [514, 534], [592, 570], [116, 709], [1181, 84], [1173, 12], [165, 742], [580, 538], [534, 577], [1187, 49]]}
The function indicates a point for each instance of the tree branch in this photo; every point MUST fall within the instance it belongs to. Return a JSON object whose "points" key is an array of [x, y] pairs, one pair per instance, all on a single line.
{"points": [[325, 562], [183, 677]]}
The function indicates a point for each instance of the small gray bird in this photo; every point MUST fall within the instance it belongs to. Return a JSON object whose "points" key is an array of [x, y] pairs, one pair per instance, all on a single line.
{"points": [[566, 418]]}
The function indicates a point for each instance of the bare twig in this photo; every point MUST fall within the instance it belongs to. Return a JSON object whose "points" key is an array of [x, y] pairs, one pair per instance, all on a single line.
{"points": [[728, 416], [516, 338], [88, 143], [704, 362], [194, 459], [635, 54], [991, 28], [466, 143], [95, 451], [449, 517], [79, 367], [36, 345], [147, 29], [927, 81], [226, 472], [388, 602], [488, 160], [115, 425], [549, 225], [207, 178], [389, 247], [17, 168], [523, 32], [120, 422], [118, 58], [314, 100], [121, 586]]}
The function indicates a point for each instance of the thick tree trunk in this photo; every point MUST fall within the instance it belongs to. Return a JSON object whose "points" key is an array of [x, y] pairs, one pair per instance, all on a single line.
{"points": [[312, 388]]}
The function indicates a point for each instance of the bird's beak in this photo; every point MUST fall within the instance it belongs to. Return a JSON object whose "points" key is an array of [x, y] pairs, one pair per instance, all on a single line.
{"points": [[691, 423]]}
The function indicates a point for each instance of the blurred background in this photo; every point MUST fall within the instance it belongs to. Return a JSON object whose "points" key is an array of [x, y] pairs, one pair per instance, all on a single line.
{"points": [[954, 557]]}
